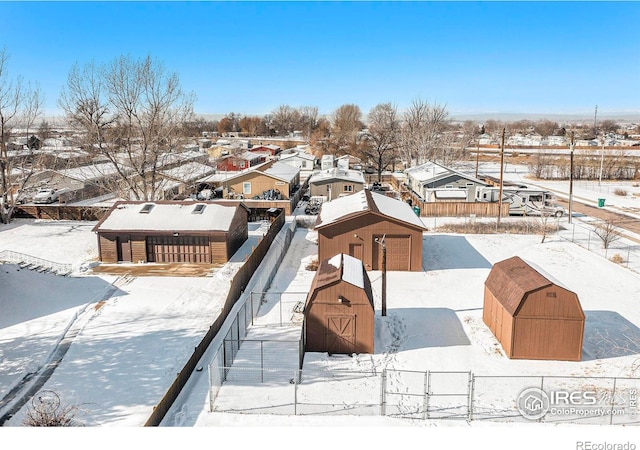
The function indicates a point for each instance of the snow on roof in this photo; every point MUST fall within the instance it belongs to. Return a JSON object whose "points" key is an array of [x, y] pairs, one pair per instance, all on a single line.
{"points": [[300, 155], [352, 269], [336, 173], [283, 171], [90, 173], [167, 217], [431, 171], [358, 202], [189, 171], [343, 206], [450, 193]]}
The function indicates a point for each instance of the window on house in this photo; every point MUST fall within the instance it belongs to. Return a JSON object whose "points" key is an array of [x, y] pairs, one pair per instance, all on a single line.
{"points": [[242, 164], [348, 188], [246, 188], [449, 186]]}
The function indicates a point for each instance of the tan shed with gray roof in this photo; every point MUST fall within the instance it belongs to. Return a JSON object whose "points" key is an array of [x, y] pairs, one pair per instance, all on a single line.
{"points": [[531, 316]]}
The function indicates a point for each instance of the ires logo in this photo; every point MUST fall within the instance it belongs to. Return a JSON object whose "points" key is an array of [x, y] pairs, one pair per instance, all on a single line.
{"points": [[534, 403]]}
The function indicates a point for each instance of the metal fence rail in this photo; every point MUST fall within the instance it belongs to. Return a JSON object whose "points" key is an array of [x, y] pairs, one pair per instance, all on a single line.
{"points": [[426, 395], [35, 262], [619, 250]]}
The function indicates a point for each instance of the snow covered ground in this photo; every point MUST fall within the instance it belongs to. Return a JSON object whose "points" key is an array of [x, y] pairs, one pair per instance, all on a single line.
{"points": [[130, 347]]}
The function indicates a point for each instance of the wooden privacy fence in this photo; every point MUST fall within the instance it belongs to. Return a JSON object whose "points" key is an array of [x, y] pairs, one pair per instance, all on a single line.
{"points": [[236, 288], [60, 212], [462, 209]]}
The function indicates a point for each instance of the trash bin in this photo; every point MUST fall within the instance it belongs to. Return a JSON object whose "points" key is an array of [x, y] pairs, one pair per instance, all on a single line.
{"points": [[600, 202], [416, 209]]}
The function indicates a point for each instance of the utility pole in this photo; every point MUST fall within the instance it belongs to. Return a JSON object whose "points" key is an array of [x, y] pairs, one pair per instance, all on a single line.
{"points": [[501, 174], [477, 155], [595, 121], [572, 148], [384, 274]]}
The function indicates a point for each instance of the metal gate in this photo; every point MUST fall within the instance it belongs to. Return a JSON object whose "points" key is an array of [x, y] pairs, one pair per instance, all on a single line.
{"points": [[426, 395]]}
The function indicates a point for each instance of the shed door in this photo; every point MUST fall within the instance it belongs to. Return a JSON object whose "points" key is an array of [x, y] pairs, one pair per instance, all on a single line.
{"points": [[124, 248], [168, 249], [355, 250], [340, 335], [398, 253]]}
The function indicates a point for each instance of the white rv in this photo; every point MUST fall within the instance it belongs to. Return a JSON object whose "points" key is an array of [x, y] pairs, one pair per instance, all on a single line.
{"points": [[525, 201]]}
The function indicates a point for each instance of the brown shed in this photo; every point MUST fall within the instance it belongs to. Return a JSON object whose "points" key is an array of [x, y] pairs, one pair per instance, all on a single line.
{"points": [[167, 232], [531, 316], [339, 313], [352, 224]]}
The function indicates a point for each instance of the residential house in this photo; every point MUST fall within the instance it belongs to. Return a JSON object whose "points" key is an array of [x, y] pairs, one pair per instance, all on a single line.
{"points": [[301, 160], [240, 161], [272, 180], [437, 183], [334, 183]]}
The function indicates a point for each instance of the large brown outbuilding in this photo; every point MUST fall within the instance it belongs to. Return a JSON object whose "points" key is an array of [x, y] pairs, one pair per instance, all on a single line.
{"points": [[531, 316], [357, 224], [339, 312], [168, 232]]}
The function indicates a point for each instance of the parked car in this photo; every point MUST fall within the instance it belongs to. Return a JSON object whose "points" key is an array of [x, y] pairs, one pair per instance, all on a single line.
{"points": [[46, 195]]}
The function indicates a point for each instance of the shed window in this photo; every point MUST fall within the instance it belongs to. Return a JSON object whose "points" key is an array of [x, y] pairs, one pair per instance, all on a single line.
{"points": [[348, 188], [198, 209], [246, 187], [146, 208], [449, 186]]}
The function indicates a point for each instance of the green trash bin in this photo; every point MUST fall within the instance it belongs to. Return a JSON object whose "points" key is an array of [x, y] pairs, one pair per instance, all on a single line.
{"points": [[600, 202], [416, 209]]}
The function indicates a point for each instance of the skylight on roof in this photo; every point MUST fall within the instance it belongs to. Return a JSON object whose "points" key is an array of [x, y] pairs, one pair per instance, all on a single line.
{"points": [[147, 208], [198, 209]]}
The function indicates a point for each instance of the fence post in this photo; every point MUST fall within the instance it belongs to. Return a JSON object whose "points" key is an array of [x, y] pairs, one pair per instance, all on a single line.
{"points": [[542, 389], [426, 395], [262, 361], [383, 388], [251, 301], [613, 401], [589, 241], [573, 233], [472, 381], [628, 255], [295, 392]]}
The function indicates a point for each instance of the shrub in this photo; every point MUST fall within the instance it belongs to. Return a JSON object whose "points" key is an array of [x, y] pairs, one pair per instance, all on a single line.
{"points": [[620, 192], [617, 258]]}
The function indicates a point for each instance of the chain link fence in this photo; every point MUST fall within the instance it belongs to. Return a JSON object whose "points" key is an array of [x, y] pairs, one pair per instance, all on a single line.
{"points": [[620, 250], [430, 395]]}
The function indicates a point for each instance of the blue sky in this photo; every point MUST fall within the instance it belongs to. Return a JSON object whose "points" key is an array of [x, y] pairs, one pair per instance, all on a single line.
{"points": [[249, 57]]}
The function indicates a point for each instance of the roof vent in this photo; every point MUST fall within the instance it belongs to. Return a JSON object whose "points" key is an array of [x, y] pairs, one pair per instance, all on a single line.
{"points": [[147, 208], [198, 209]]}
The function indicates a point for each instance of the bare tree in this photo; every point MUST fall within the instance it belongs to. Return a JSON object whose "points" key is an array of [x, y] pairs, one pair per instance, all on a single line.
{"points": [[423, 128], [546, 127], [283, 119], [346, 124], [20, 106], [132, 112], [607, 231], [381, 139]]}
